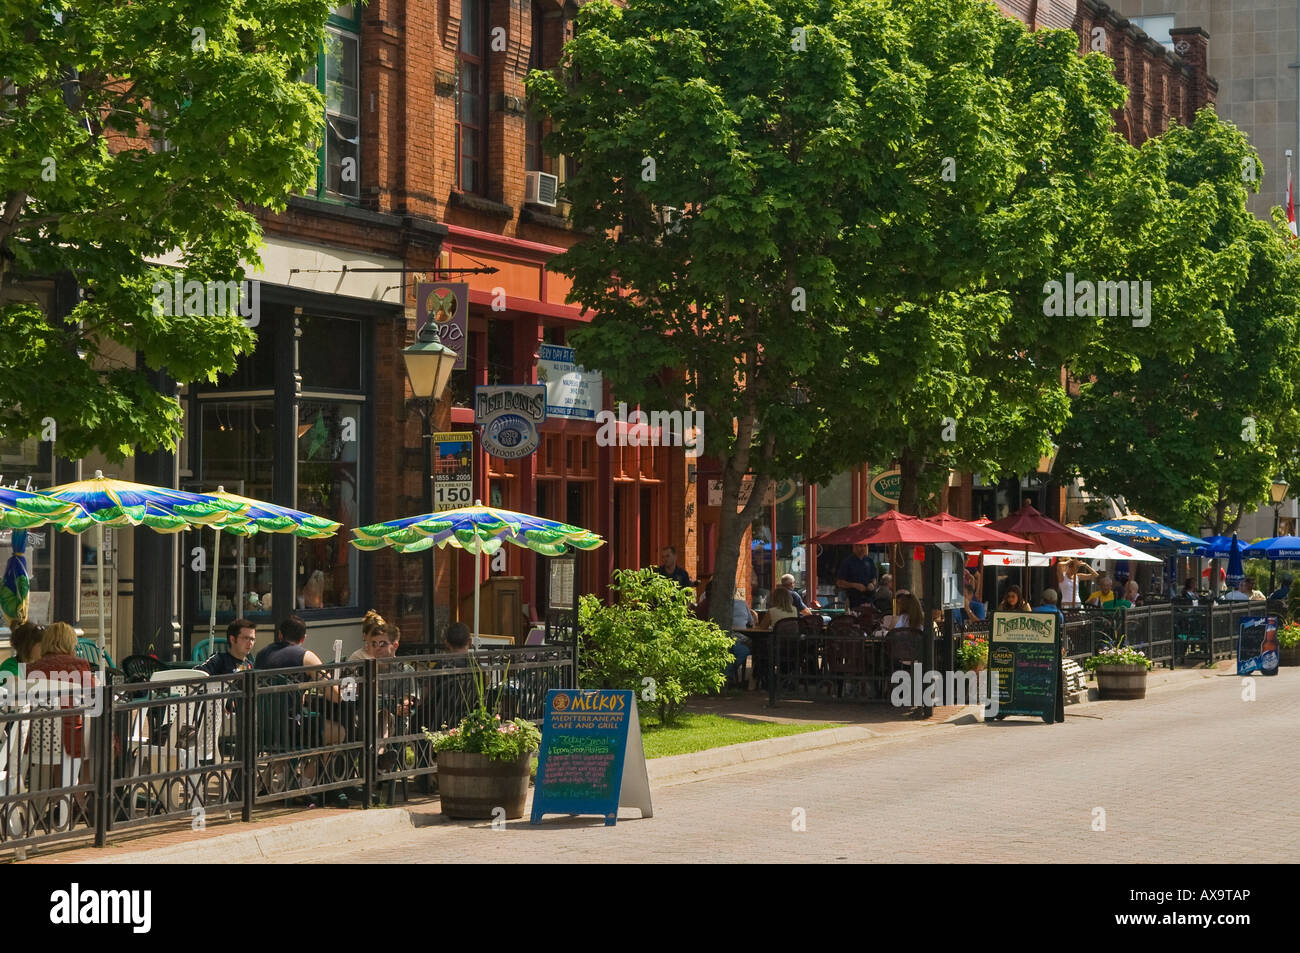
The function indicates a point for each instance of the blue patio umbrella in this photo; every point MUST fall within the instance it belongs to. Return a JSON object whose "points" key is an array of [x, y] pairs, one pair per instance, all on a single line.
{"points": [[1279, 547], [1138, 529], [1215, 546], [1235, 571], [16, 585]]}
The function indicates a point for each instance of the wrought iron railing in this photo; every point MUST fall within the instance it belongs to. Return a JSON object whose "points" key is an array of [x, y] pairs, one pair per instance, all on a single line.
{"points": [[195, 748]]}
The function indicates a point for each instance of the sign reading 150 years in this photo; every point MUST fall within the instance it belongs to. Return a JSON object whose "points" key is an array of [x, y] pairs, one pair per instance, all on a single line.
{"points": [[508, 417]]}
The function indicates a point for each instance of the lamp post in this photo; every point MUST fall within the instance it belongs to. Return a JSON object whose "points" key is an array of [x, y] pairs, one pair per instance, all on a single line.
{"points": [[428, 367], [1278, 492]]}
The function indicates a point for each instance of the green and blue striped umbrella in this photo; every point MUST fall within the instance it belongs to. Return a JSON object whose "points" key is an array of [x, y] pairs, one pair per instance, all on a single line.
{"points": [[20, 509], [477, 529], [104, 502], [257, 516], [16, 584]]}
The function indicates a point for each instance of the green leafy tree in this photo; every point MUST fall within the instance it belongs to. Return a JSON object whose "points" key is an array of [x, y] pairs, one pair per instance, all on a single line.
{"points": [[130, 131], [1190, 418], [764, 185], [650, 642]]}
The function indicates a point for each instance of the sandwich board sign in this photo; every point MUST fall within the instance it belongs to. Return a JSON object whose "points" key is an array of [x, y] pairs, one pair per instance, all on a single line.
{"points": [[1257, 646], [1025, 656], [591, 760]]}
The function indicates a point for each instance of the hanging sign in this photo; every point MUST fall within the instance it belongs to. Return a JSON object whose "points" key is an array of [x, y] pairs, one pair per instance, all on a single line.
{"points": [[571, 390], [886, 486], [591, 760], [1025, 655], [508, 417], [453, 470], [1257, 646], [446, 304]]}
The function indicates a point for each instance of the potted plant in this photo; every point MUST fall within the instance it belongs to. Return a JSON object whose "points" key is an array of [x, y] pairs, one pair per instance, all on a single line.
{"points": [[973, 654], [1121, 671], [1288, 641], [483, 763]]}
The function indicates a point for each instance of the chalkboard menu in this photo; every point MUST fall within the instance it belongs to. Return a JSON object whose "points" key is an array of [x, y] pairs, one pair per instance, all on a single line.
{"points": [[1257, 646], [591, 760], [1025, 665]]}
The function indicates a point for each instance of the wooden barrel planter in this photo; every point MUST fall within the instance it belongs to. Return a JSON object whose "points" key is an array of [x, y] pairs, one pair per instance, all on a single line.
{"points": [[1122, 681], [1289, 656], [471, 785]]}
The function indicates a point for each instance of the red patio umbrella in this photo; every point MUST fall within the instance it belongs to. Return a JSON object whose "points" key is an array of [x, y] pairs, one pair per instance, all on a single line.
{"points": [[976, 532], [1039, 533], [891, 527]]}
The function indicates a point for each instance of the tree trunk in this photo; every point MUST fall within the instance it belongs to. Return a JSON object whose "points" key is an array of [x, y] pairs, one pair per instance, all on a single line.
{"points": [[733, 523], [910, 468]]}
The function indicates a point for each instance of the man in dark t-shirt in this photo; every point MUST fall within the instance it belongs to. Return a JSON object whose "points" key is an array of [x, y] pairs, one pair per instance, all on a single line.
{"points": [[857, 576], [241, 636], [668, 567]]}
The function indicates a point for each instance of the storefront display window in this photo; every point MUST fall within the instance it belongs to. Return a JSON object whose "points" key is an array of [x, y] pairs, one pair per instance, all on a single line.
{"points": [[329, 439], [791, 528]]}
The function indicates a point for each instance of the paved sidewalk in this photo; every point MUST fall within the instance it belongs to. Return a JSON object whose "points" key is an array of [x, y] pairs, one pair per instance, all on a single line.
{"points": [[280, 830]]}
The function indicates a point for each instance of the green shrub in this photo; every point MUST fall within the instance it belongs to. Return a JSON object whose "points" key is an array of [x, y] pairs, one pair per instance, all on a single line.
{"points": [[650, 633]]}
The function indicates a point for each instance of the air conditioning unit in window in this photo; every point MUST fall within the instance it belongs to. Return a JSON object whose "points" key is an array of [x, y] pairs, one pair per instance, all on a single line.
{"points": [[540, 188]]}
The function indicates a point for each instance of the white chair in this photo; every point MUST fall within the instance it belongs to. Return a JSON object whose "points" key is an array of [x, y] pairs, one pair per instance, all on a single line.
{"points": [[46, 751]]}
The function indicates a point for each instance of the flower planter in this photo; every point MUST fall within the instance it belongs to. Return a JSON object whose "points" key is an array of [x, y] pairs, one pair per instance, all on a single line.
{"points": [[1122, 681], [1289, 656], [471, 785]]}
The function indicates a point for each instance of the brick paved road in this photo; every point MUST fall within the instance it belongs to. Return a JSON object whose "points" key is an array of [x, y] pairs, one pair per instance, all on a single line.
{"points": [[1190, 774]]}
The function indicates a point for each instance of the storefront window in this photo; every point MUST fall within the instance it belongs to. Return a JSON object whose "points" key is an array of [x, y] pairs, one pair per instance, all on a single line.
{"points": [[20, 468], [238, 439], [791, 514], [329, 440], [760, 559], [329, 353], [834, 509]]}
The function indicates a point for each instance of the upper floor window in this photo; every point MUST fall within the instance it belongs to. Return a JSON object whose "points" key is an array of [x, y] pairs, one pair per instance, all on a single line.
{"points": [[1157, 28], [471, 98], [337, 76]]}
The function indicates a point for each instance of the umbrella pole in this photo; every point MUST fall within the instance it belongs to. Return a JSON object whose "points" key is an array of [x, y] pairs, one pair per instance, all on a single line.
{"points": [[477, 572], [99, 584], [212, 614]]}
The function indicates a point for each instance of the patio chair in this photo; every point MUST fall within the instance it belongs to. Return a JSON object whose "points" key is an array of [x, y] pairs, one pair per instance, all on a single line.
{"points": [[56, 749], [206, 649]]}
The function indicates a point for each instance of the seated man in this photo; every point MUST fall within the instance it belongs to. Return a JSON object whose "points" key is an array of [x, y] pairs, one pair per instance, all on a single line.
{"points": [[1105, 597], [1240, 594], [241, 636], [787, 582], [1047, 602], [289, 652]]}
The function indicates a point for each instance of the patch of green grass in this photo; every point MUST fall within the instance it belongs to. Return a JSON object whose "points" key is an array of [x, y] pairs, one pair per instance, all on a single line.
{"points": [[698, 732]]}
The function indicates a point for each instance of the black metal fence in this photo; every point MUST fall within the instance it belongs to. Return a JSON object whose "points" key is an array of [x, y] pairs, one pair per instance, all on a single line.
{"points": [[191, 747]]}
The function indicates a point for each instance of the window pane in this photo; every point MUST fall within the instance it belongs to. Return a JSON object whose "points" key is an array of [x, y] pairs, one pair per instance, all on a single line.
{"points": [[329, 353], [471, 93], [329, 438], [256, 371], [471, 29], [348, 11], [238, 441], [341, 74], [342, 159]]}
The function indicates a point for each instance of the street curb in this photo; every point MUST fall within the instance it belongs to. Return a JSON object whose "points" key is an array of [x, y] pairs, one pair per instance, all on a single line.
{"points": [[243, 847], [678, 765]]}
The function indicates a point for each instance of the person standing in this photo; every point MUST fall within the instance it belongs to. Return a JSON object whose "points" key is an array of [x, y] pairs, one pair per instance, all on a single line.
{"points": [[668, 567], [857, 576], [1068, 574]]}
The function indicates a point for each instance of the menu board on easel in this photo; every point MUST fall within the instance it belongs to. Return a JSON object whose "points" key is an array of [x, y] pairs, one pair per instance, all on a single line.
{"points": [[591, 760], [1025, 659]]}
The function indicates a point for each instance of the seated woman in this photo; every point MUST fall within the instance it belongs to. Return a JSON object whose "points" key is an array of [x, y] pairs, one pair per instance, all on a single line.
{"points": [[909, 614], [1012, 601], [781, 607]]}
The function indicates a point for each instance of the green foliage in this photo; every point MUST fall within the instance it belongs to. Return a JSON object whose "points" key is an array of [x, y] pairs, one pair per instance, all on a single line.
{"points": [[86, 190], [482, 731], [649, 632], [1116, 652], [1190, 418], [973, 653]]}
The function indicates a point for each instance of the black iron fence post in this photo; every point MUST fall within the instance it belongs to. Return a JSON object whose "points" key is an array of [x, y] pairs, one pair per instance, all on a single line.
{"points": [[103, 773], [370, 729], [248, 744]]}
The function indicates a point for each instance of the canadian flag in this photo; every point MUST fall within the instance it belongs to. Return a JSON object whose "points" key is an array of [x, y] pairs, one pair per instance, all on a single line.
{"points": [[1290, 204]]}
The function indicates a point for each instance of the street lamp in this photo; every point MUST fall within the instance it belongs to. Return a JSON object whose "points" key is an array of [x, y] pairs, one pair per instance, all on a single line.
{"points": [[428, 367], [1278, 492]]}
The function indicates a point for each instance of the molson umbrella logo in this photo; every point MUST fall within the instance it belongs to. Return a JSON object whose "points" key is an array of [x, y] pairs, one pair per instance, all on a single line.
{"points": [[886, 486], [508, 418]]}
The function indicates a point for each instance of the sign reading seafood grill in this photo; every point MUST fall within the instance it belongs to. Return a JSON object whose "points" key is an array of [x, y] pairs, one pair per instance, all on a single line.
{"points": [[508, 417]]}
